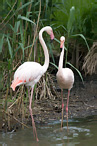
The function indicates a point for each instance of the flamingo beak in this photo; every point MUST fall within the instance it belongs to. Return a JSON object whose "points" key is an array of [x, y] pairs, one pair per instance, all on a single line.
{"points": [[61, 44], [60, 49], [52, 36]]}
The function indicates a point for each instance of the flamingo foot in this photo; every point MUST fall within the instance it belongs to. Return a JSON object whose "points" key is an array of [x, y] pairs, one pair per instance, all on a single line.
{"points": [[30, 109], [37, 139], [34, 128]]}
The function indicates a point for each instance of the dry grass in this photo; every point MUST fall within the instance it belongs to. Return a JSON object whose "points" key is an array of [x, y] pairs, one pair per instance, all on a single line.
{"points": [[18, 111], [90, 61], [46, 88]]}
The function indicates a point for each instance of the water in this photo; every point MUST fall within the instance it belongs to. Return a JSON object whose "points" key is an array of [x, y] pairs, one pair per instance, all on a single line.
{"points": [[82, 132]]}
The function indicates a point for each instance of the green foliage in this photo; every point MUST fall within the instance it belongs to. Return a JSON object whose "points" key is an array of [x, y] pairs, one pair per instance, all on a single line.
{"points": [[70, 31], [81, 19], [17, 32], [77, 71], [26, 19], [1, 43], [81, 35], [75, 19], [10, 48], [71, 18]]}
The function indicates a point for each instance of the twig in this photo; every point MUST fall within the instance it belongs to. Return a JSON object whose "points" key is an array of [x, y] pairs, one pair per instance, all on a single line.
{"points": [[88, 105], [15, 119], [35, 31], [7, 21], [16, 65], [6, 97], [9, 12], [12, 104]]}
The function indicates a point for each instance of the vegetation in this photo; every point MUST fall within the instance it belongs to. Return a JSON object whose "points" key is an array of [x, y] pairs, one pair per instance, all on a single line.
{"points": [[20, 23], [90, 61]]}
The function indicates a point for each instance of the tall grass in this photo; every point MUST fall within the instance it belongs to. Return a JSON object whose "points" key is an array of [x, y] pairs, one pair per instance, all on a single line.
{"points": [[19, 33], [20, 22], [69, 18]]}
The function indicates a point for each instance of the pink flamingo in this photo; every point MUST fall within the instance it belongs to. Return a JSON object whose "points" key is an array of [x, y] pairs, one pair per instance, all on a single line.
{"points": [[29, 73], [65, 78]]}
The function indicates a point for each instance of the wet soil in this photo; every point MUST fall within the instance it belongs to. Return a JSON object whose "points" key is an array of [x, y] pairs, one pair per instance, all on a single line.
{"points": [[82, 103]]}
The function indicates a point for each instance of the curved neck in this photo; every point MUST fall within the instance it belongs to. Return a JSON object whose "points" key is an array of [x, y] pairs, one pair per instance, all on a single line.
{"points": [[61, 58], [46, 54]]}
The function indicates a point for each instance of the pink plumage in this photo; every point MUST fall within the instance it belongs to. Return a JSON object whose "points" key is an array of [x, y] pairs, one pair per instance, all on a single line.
{"points": [[65, 78], [29, 73]]}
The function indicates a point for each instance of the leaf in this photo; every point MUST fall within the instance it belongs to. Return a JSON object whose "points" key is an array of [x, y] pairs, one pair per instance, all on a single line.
{"points": [[62, 27], [82, 36], [28, 47], [57, 40], [51, 52], [21, 33], [26, 19], [17, 24], [31, 44], [8, 4], [12, 27], [54, 65], [25, 5], [15, 51], [22, 47], [10, 49], [29, 14], [1, 43], [15, 28], [71, 19], [77, 71], [59, 43]]}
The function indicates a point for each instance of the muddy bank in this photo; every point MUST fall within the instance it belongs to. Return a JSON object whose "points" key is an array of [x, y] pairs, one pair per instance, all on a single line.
{"points": [[82, 103]]}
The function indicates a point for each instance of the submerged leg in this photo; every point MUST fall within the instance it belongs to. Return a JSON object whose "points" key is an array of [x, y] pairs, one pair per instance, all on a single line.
{"points": [[62, 108], [67, 107], [30, 109]]}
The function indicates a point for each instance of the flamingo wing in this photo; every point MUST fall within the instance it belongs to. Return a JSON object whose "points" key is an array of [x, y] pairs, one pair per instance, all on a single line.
{"points": [[65, 78], [68, 78], [28, 73]]}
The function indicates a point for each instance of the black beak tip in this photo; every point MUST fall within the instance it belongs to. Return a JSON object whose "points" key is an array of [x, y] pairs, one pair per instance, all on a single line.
{"points": [[60, 49], [51, 41]]}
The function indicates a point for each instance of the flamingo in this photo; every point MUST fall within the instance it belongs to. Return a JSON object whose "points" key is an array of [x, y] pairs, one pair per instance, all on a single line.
{"points": [[65, 78], [29, 73]]}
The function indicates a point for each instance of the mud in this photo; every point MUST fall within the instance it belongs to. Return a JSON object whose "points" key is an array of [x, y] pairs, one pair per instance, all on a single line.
{"points": [[82, 103]]}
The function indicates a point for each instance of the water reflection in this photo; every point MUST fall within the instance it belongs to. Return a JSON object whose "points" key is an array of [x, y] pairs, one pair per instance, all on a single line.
{"points": [[81, 133]]}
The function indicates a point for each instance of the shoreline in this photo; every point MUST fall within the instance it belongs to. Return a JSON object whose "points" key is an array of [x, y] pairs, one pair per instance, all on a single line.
{"points": [[82, 103]]}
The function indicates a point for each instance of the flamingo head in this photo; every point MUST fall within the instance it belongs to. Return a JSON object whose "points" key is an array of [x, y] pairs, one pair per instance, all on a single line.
{"points": [[62, 40], [50, 32]]}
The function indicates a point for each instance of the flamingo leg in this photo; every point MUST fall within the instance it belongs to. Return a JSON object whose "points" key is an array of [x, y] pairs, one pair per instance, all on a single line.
{"points": [[30, 109], [67, 107], [30, 102], [28, 92], [62, 108]]}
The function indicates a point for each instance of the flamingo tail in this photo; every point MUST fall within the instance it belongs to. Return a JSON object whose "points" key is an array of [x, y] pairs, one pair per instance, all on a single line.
{"points": [[15, 83]]}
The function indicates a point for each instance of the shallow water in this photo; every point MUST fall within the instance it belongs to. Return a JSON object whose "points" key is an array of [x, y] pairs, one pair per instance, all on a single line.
{"points": [[82, 132]]}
